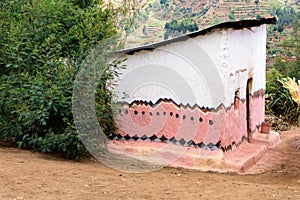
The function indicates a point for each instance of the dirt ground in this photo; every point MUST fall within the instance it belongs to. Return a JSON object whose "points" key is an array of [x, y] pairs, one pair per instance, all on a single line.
{"points": [[27, 175]]}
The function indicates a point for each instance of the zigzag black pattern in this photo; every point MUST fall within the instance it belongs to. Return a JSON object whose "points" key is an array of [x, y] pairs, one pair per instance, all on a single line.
{"points": [[258, 93], [190, 143]]}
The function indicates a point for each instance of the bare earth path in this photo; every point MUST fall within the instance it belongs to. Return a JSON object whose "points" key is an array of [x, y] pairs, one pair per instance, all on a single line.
{"points": [[27, 175]]}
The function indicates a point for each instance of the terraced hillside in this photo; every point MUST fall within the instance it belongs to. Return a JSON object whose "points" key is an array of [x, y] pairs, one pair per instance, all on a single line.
{"points": [[204, 12]]}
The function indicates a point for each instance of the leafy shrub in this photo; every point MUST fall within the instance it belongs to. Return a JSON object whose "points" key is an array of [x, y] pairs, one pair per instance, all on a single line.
{"points": [[42, 44], [278, 99]]}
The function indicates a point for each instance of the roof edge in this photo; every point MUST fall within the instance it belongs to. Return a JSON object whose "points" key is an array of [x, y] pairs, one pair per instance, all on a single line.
{"points": [[248, 23]]}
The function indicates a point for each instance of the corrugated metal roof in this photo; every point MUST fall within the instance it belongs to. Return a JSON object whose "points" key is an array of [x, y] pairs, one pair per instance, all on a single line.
{"points": [[225, 25]]}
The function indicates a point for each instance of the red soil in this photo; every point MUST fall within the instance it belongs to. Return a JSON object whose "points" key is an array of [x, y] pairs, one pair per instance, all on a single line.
{"points": [[27, 175]]}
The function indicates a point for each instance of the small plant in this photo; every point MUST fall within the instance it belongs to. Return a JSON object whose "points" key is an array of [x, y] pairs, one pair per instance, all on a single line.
{"points": [[293, 87]]}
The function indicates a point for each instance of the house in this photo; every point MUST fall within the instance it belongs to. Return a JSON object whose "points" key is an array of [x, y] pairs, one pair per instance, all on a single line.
{"points": [[199, 98]]}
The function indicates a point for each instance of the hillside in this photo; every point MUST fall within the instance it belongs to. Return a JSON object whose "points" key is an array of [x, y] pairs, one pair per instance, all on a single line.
{"points": [[150, 22]]}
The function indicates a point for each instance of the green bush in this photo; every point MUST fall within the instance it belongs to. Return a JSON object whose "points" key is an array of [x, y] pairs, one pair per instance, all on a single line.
{"points": [[278, 99], [42, 44]]}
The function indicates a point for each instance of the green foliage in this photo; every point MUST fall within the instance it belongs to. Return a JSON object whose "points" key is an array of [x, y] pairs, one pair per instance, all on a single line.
{"points": [[287, 66], [258, 16], [285, 14], [278, 99], [103, 96], [163, 2], [280, 28], [42, 44], [231, 15], [174, 28]]}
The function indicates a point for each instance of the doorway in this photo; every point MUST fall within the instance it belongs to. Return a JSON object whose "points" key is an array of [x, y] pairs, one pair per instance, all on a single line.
{"points": [[248, 111]]}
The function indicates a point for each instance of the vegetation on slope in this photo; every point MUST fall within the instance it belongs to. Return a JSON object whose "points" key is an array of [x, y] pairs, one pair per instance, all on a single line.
{"points": [[280, 99]]}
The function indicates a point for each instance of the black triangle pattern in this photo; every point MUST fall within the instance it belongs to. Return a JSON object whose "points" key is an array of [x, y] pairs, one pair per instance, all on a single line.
{"points": [[182, 141], [190, 143], [163, 138], [173, 140], [144, 137], [135, 137], [153, 137]]}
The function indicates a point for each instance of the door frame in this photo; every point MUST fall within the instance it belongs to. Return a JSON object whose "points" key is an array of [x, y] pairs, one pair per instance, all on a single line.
{"points": [[248, 111]]}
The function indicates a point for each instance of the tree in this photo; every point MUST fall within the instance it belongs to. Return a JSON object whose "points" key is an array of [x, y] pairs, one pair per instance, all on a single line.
{"points": [[42, 45], [175, 28], [280, 28], [286, 16], [162, 2], [258, 16], [231, 15]]}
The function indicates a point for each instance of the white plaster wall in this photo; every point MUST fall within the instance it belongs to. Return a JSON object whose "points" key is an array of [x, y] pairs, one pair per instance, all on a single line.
{"points": [[205, 70], [178, 71], [247, 50], [238, 55]]}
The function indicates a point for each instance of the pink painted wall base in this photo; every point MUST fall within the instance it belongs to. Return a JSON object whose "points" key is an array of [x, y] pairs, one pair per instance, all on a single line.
{"points": [[221, 127], [193, 137]]}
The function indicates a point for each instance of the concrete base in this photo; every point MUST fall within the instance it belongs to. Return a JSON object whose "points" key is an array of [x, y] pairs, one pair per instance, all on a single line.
{"points": [[238, 160], [270, 140]]}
